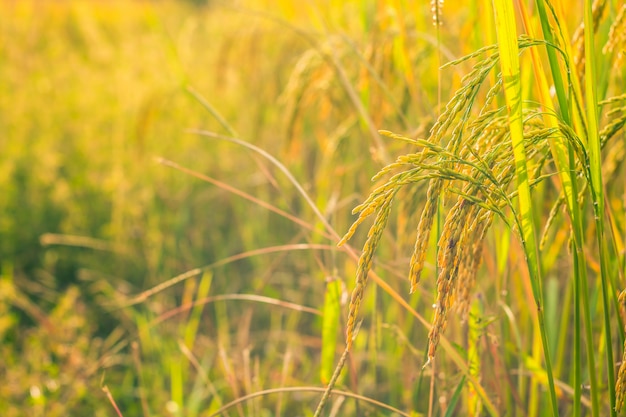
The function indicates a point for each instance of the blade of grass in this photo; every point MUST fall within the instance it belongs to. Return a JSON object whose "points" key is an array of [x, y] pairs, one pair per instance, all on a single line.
{"points": [[455, 398], [513, 324], [176, 381], [195, 94], [191, 328], [201, 372], [509, 61]]}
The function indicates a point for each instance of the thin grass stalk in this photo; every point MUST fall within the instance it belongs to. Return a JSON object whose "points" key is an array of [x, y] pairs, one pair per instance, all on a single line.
{"points": [[212, 110], [595, 168], [509, 61], [245, 398], [383, 155]]}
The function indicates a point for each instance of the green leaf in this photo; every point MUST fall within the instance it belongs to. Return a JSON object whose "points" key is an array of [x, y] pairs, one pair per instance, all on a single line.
{"points": [[510, 68], [455, 398]]}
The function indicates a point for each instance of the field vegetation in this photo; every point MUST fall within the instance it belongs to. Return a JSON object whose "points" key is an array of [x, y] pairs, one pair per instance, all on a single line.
{"points": [[339, 208]]}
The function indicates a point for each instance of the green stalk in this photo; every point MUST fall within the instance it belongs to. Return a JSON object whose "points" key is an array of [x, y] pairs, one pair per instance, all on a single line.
{"points": [[597, 191], [580, 293], [559, 86], [566, 165], [509, 62]]}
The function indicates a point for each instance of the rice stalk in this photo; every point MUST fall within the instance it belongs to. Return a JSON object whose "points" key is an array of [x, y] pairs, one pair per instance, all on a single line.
{"points": [[479, 153], [597, 187], [506, 30]]}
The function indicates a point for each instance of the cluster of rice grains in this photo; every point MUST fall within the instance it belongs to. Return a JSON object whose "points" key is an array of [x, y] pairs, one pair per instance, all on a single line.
{"points": [[468, 156], [615, 42]]}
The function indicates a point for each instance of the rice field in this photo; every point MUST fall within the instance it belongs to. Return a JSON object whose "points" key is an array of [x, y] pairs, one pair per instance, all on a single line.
{"points": [[328, 208]]}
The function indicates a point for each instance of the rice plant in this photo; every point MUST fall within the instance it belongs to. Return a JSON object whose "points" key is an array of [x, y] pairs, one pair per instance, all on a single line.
{"points": [[474, 152]]}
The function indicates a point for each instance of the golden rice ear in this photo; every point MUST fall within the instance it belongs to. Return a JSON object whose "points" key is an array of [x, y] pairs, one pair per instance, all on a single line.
{"points": [[476, 153], [423, 232], [578, 40], [616, 33], [622, 298], [436, 7], [622, 304], [620, 384], [448, 260], [470, 261], [365, 264]]}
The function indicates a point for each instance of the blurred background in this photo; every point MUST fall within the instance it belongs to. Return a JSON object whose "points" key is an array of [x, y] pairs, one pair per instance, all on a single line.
{"points": [[92, 93]]}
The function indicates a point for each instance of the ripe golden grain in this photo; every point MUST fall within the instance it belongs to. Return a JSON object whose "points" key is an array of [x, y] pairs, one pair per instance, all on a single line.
{"points": [[620, 384], [578, 40], [365, 264], [423, 233]]}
